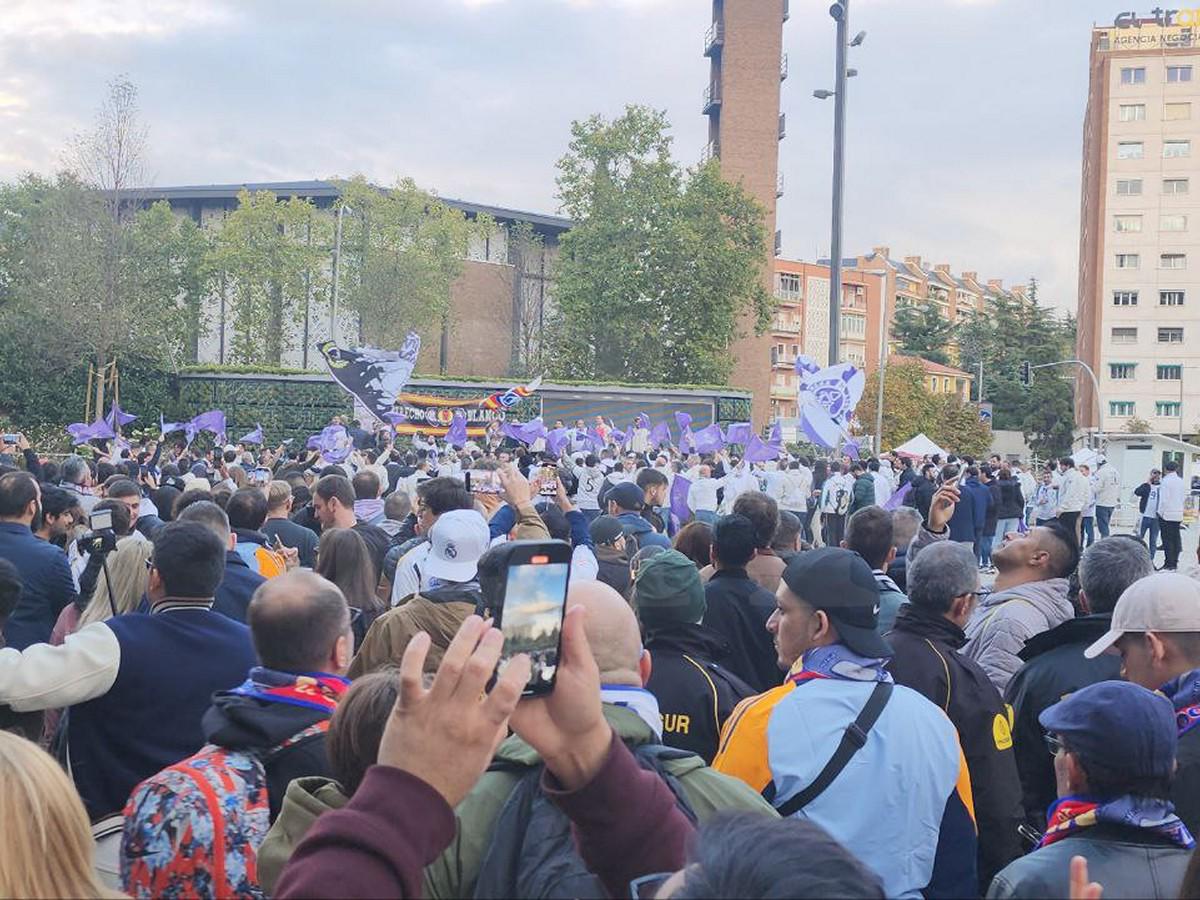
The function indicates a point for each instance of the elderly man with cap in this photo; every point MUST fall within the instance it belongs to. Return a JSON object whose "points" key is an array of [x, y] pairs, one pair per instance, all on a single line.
{"points": [[839, 743], [608, 540], [695, 693], [1156, 630], [625, 503], [1114, 751], [449, 593]]}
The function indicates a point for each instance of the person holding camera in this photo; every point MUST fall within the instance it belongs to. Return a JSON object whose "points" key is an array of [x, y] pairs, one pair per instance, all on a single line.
{"points": [[45, 572]]}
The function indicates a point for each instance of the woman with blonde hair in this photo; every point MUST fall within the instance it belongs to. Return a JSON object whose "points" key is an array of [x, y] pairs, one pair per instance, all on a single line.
{"points": [[50, 853], [126, 573]]}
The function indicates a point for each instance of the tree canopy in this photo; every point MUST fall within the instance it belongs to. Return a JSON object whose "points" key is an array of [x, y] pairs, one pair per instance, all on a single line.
{"points": [[923, 331]]}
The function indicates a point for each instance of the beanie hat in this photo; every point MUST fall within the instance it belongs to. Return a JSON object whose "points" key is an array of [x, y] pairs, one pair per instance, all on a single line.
{"points": [[668, 591]]}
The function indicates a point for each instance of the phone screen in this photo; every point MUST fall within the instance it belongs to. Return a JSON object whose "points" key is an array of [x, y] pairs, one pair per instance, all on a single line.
{"points": [[548, 481], [535, 599], [485, 481]]}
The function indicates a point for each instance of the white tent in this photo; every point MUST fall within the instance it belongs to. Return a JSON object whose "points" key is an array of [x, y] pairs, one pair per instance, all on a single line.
{"points": [[919, 446]]}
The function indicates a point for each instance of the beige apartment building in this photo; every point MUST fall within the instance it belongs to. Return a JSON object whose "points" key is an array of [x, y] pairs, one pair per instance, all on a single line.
{"points": [[1139, 252]]}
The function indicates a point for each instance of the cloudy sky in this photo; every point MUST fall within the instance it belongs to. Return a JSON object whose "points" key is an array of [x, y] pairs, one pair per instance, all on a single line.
{"points": [[964, 125]]}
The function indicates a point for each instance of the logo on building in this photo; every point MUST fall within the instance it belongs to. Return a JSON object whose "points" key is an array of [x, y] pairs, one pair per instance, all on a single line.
{"points": [[1163, 18]]}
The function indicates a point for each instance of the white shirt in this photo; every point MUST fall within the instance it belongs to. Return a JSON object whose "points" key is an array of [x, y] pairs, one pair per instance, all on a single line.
{"points": [[1108, 485], [1170, 498], [408, 573], [736, 483], [829, 492], [883, 488], [702, 495], [589, 481], [773, 484], [1073, 492], [797, 485], [1028, 486]]}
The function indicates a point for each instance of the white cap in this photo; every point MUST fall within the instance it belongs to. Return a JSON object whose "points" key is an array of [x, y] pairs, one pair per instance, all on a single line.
{"points": [[457, 539], [1167, 602]]}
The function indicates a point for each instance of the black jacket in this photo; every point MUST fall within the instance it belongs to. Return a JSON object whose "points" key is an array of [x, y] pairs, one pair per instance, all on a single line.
{"points": [[378, 541], [927, 660], [1054, 667], [990, 517], [613, 569], [1185, 787], [738, 609], [293, 535], [1142, 492], [921, 496], [247, 723], [695, 694], [236, 588], [1012, 503]]}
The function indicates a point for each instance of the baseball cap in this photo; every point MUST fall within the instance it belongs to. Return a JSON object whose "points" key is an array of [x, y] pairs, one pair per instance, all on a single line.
{"points": [[668, 591], [839, 582], [605, 529], [457, 539], [1166, 601], [1118, 725], [628, 496]]}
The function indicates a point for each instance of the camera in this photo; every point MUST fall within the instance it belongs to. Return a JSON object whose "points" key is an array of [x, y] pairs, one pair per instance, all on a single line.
{"points": [[101, 538]]}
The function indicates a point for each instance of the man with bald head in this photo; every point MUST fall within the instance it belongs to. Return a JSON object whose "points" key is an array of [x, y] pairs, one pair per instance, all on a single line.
{"points": [[631, 710], [301, 629]]}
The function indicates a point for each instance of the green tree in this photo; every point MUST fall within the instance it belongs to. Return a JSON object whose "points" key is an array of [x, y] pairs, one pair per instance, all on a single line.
{"points": [[923, 331], [910, 409], [402, 249], [660, 266], [266, 260]]}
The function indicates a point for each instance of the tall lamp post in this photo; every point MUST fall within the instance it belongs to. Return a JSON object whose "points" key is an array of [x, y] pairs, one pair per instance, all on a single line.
{"points": [[337, 271], [840, 11]]}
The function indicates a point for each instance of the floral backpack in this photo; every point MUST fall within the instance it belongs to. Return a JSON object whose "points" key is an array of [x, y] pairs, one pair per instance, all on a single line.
{"points": [[194, 829]]}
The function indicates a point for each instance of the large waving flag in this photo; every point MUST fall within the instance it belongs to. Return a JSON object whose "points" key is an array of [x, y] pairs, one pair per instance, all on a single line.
{"points": [[456, 435], [117, 417], [252, 437], [373, 376], [827, 398], [99, 430]]}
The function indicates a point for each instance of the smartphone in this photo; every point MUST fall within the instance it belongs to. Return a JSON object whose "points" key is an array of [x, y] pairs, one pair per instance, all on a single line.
{"points": [[276, 543], [530, 611], [484, 481], [10, 438], [101, 520], [548, 481], [261, 475]]}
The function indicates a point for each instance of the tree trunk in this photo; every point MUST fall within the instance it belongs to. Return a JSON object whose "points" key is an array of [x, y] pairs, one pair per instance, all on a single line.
{"points": [[101, 362]]}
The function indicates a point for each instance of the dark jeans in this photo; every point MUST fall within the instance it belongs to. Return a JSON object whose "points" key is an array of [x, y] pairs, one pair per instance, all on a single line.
{"points": [[1103, 516], [1071, 521], [1149, 525], [984, 544], [1089, 534], [1172, 542], [805, 517], [835, 528]]}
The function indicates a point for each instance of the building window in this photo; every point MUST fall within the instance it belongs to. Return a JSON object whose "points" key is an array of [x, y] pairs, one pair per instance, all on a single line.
{"points": [[1128, 260], [1178, 73], [1176, 149], [1133, 75], [1127, 223], [1132, 112], [1170, 298], [854, 326], [1124, 335], [1120, 407], [1172, 222], [1129, 150], [1129, 187], [1170, 335], [1172, 261], [787, 286], [1167, 408], [1169, 373], [1125, 298], [1175, 186], [1176, 112], [1121, 371], [933, 384]]}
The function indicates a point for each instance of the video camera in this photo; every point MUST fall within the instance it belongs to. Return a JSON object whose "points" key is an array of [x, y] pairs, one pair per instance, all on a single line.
{"points": [[101, 539]]}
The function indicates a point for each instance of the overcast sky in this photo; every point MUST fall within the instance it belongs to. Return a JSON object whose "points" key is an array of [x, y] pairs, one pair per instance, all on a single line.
{"points": [[964, 127]]}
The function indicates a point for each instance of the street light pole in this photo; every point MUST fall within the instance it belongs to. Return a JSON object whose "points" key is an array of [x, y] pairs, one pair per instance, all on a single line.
{"points": [[883, 348], [1095, 388], [840, 11], [337, 271]]}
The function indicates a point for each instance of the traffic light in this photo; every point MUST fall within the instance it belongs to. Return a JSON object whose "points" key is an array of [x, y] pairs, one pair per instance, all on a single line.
{"points": [[1026, 373]]}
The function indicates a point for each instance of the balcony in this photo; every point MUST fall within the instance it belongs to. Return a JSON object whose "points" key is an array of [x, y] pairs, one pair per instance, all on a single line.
{"points": [[780, 361], [712, 150], [785, 326], [778, 242], [778, 185], [782, 392], [714, 39], [712, 98], [782, 126], [783, 67]]}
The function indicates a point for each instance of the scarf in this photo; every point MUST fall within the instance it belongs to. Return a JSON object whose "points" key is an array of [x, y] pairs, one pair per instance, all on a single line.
{"points": [[312, 690], [838, 661], [639, 700], [1184, 694], [1157, 816]]}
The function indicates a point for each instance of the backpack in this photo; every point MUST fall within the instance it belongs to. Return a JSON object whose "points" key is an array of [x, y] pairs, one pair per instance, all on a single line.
{"points": [[194, 829], [532, 852]]}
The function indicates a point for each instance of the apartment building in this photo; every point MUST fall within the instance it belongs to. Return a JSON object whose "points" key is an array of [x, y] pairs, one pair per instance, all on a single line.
{"points": [[1139, 328]]}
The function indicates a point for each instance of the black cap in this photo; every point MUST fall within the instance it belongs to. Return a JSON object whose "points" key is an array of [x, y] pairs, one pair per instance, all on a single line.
{"points": [[628, 496], [840, 583]]}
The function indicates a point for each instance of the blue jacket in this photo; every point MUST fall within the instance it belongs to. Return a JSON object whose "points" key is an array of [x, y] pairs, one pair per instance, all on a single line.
{"points": [[962, 523], [236, 588], [983, 500], [639, 530], [46, 576]]}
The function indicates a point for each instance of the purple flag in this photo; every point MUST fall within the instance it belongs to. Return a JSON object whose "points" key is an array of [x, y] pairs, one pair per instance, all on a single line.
{"points": [[679, 493], [850, 448], [660, 434], [165, 428], [333, 441], [117, 417], [739, 433], [213, 420], [556, 440], [456, 435], [686, 442], [897, 499], [618, 437], [98, 430], [709, 440], [593, 438], [527, 433], [758, 450], [776, 436], [642, 421], [253, 437]]}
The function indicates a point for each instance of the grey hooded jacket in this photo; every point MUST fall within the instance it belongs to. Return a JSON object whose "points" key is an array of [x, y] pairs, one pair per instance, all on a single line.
{"points": [[1005, 620]]}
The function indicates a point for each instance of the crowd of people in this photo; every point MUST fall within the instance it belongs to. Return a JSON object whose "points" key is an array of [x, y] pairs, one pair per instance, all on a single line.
{"points": [[253, 672]]}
